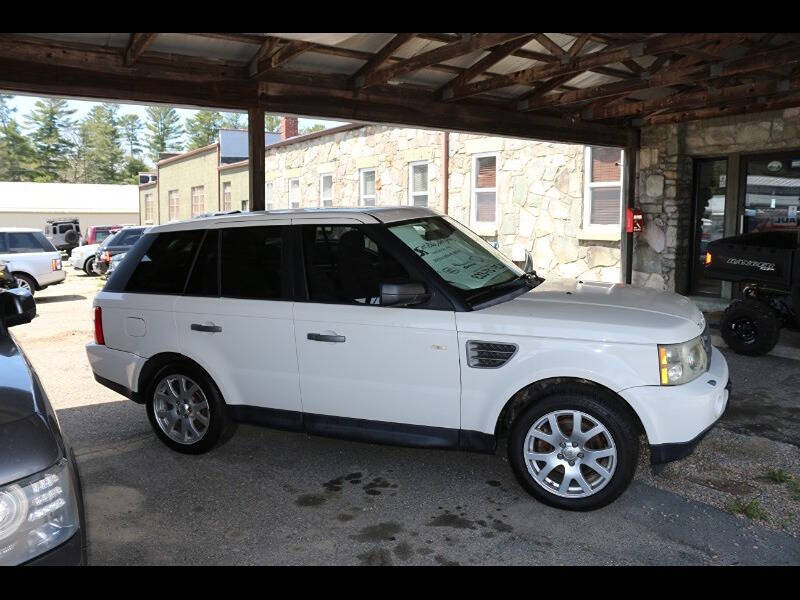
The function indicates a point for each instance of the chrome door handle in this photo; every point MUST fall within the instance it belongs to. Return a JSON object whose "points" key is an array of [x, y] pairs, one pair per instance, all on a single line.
{"points": [[208, 328], [321, 337]]}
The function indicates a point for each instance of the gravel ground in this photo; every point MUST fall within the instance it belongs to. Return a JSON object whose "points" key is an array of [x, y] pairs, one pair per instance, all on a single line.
{"points": [[272, 497]]}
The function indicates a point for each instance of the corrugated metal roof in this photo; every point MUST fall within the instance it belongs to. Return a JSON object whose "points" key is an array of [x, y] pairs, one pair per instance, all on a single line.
{"points": [[27, 196]]}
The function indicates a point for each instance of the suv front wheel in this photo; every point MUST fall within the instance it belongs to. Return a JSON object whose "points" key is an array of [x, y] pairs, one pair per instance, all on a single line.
{"points": [[185, 409], [572, 450]]}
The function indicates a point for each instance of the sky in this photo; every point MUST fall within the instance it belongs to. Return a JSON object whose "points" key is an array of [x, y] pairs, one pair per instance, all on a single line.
{"points": [[25, 104]]}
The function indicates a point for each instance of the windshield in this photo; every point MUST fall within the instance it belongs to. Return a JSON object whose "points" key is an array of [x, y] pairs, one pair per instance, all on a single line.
{"points": [[128, 237], [465, 261]]}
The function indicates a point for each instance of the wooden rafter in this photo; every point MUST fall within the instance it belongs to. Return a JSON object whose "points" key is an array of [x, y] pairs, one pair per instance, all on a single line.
{"points": [[380, 58], [282, 55], [657, 45], [471, 43], [542, 89], [266, 49], [578, 45], [136, 46], [550, 45], [752, 105]]}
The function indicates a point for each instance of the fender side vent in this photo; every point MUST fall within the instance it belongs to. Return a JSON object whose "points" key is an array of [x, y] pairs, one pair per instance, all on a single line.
{"points": [[489, 355]]}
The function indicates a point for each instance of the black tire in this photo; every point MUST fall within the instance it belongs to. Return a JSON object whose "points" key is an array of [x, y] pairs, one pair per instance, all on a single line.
{"points": [[599, 407], [750, 327], [71, 238], [28, 280], [88, 267], [220, 425]]}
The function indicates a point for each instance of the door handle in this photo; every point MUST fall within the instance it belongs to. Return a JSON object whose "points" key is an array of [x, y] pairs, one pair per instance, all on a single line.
{"points": [[208, 328], [321, 337]]}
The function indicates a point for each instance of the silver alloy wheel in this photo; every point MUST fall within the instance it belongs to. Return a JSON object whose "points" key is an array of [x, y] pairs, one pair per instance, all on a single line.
{"points": [[181, 409], [22, 283], [570, 453]]}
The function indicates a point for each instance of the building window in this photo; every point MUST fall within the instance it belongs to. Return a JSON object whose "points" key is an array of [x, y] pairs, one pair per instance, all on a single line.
{"points": [[244, 206], [602, 197], [148, 208], [484, 194], [198, 200], [294, 193], [418, 184], [174, 204], [368, 195], [226, 196], [267, 195], [326, 190]]}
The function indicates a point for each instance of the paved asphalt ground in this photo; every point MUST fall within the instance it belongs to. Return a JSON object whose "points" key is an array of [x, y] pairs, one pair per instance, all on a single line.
{"points": [[272, 497]]}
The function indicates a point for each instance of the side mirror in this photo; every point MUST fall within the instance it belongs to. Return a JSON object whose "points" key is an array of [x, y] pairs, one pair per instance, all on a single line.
{"points": [[403, 294], [17, 307]]}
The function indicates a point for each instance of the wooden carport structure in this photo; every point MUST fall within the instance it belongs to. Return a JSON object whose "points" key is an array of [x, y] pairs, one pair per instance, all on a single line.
{"points": [[588, 88]]}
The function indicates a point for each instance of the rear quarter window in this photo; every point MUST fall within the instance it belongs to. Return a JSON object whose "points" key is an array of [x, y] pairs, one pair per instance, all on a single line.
{"points": [[165, 265]]}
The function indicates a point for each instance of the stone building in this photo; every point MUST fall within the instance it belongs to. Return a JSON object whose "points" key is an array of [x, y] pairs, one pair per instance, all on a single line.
{"points": [[561, 202]]}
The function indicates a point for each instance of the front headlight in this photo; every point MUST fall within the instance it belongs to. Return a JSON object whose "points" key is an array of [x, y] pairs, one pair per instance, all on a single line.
{"points": [[37, 514], [682, 363]]}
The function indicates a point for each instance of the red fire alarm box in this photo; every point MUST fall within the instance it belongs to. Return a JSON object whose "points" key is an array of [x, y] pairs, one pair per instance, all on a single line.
{"points": [[633, 220]]}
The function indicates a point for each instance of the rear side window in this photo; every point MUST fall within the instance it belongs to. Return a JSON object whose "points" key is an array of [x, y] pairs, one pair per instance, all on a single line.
{"points": [[164, 267], [204, 280], [251, 262]]}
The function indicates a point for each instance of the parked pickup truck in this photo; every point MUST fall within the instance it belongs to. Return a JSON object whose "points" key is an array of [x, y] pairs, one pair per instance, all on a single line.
{"points": [[402, 326]]}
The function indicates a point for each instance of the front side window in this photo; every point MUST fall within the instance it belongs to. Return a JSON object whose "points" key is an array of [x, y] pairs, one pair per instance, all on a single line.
{"points": [[226, 196], [251, 262], [164, 267], [368, 195], [20, 242], [346, 266], [174, 204], [418, 184], [326, 190], [198, 200], [473, 268], [294, 193], [602, 200], [484, 195], [267, 195]]}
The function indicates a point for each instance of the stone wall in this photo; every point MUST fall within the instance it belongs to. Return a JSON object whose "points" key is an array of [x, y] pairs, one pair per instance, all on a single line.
{"points": [[662, 250]]}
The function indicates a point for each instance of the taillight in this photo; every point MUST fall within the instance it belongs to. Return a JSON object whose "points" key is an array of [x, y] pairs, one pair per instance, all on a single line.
{"points": [[98, 326], [56, 264], [107, 256], [708, 258]]}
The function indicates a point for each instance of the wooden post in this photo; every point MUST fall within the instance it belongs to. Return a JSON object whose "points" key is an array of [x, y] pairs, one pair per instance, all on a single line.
{"points": [[255, 153], [629, 182]]}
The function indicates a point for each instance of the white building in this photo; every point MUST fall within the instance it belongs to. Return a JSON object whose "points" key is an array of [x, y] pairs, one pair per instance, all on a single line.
{"points": [[27, 204]]}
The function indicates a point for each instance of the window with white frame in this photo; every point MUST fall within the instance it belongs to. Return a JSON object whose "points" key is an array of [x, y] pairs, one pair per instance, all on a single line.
{"points": [[198, 200], [418, 184], [367, 185], [326, 189], [484, 188], [294, 193], [148, 208], [268, 195], [226, 196], [174, 202], [602, 197]]}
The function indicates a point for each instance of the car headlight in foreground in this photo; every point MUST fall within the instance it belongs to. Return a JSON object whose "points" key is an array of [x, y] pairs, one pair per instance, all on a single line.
{"points": [[37, 514], [682, 363]]}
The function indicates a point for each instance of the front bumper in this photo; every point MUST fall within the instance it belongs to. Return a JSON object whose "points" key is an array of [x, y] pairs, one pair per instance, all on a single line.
{"points": [[676, 417]]}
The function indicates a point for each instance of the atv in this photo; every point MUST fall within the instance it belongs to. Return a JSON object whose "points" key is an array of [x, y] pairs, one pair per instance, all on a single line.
{"points": [[767, 264]]}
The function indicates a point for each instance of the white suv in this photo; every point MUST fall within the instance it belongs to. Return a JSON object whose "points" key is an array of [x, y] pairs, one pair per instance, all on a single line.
{"points": [[31, 258], [400, 325]]}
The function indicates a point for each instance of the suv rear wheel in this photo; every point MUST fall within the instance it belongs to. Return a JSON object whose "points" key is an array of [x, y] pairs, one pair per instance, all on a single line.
{"points": [[26, 282], [572, 450], [185, 409]]}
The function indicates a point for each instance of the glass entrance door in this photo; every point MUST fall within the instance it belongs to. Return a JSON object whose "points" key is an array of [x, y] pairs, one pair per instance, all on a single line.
{"points": [[710, 184], [771, 192]]}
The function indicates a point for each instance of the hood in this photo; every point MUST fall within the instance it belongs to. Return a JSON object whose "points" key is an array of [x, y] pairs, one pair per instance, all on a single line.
{"points": [[607, 312]]}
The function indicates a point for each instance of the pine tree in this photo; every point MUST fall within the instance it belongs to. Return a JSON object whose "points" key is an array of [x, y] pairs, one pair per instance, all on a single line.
{"points": [[312, 129], [203, 128], [101, 139], [272, 123], [131, 128], [51, 123], [17, 157], [234, 121], [163, 131]]}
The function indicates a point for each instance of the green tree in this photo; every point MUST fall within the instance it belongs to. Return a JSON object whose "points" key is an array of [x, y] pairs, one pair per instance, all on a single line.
{"points": [[100, 137], [203, 128], [312, 129], [272, 123], [131, 128], [50, 122], [164, 131], [17, 157], [234, 121], [130, 171]]}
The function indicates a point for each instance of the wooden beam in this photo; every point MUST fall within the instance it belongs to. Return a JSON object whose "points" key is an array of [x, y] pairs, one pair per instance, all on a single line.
{"points": [[280, 56], [266, 49], [668, 77], [136, 46], [542, 89], [750, 106], [693, 99], [478, 41], [383, 55], [495, 56], [255, 157], [578, 45], [653, 46], [550, 45]]}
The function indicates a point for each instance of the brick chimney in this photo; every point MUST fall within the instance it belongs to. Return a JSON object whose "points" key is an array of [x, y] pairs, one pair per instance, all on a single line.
{"points": [[288, 127]]}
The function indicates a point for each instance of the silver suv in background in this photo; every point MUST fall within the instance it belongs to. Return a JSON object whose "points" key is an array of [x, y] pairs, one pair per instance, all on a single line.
{"points": [[31, 258]]}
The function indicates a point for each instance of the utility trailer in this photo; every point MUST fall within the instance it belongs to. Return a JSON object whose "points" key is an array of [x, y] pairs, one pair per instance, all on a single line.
{"points": [[768, 265]]}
